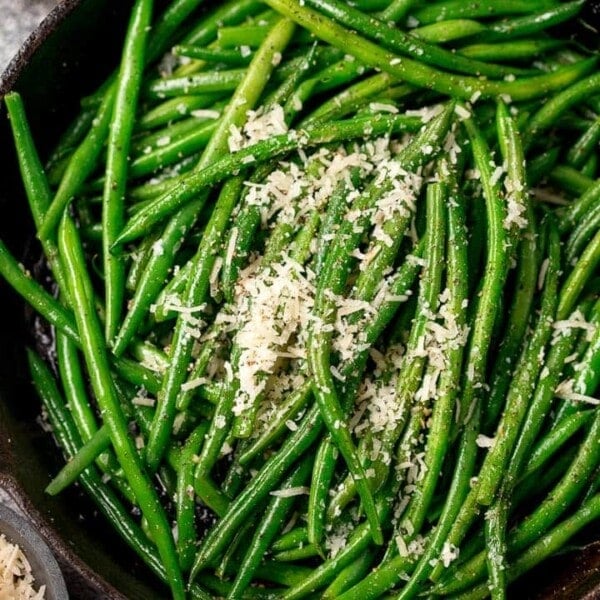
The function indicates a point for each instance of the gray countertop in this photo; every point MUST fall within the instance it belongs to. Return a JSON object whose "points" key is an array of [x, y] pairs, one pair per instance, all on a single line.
{"points": [[18, 18]]}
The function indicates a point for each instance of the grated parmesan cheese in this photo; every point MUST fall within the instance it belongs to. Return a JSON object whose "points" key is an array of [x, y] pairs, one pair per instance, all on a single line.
{"points": [[483, 441], [291, 492], [16, 578], [260, 125]]}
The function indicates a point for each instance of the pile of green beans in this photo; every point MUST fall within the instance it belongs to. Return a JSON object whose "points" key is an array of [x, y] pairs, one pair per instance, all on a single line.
{"points": [[324, 294]]}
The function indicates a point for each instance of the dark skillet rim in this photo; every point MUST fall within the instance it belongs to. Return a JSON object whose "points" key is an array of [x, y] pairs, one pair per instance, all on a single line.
{"points": [[20, 61], [75, 569]]}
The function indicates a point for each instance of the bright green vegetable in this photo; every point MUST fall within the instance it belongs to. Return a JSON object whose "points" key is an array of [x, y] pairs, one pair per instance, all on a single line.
{"points": [[326, 317]]}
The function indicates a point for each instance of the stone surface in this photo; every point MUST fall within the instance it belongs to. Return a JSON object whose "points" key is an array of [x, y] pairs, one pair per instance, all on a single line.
{"points": [[17, 19]]}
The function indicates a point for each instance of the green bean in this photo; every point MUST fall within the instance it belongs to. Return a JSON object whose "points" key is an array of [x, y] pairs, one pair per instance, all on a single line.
{"points": [[540, 404], [183, 341], [297, 554], [259, 487], [535, 485], [81, 164], [577, 211], [73, 383], [539, 166], [533, 23], [132, 372], [590, 167], [270, 523], [577, 279], [330, 78], [152, 278], [200, 367], [83, 459], [422, 75], [588, 372], [523, 381], [119, 139], [585, 145], [558, 501], [495, 541], [346, 101], [36, 185], [234, 554], [495, 272], [558, 105], [167, 24], [200, 83], [261, 151], [395, 40], [211, 495], [388, 574], [175, 109], [294, 403], [455, 9], [352, 371], [230, 13], [439, 431], [251, 36], [139, 260], [393, 228], [80, 291], [240, 238], [555, 439], [233, 58], [448, 31], [220, 589], [284, 92], [581, 234], [571, 180], [510, 50], [527, 275], [397, 10], [291, 539], [172, 153], [474, 569], [483, 323], [413, 363], [42, 302], [333, 216], [219, 429], [174, 288], [70, 138], [301, 246], [349, 576], [545, 546], [355, 547], [322, 475], [334, 265], [186, 531]]}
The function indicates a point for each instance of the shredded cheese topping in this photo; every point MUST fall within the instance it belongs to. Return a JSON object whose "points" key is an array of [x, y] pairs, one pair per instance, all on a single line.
{"points": [[16, 578]]}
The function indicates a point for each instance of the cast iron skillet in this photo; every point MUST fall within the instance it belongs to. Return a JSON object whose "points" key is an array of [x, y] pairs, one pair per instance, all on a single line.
{"points": [[66, 58]]}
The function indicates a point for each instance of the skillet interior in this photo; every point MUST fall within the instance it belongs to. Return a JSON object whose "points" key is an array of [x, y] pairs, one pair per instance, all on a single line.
{"points": [[66, 58]]}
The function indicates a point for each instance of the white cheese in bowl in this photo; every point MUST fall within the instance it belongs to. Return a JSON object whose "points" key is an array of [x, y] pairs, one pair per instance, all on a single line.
{"points": [[16, 578]]}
